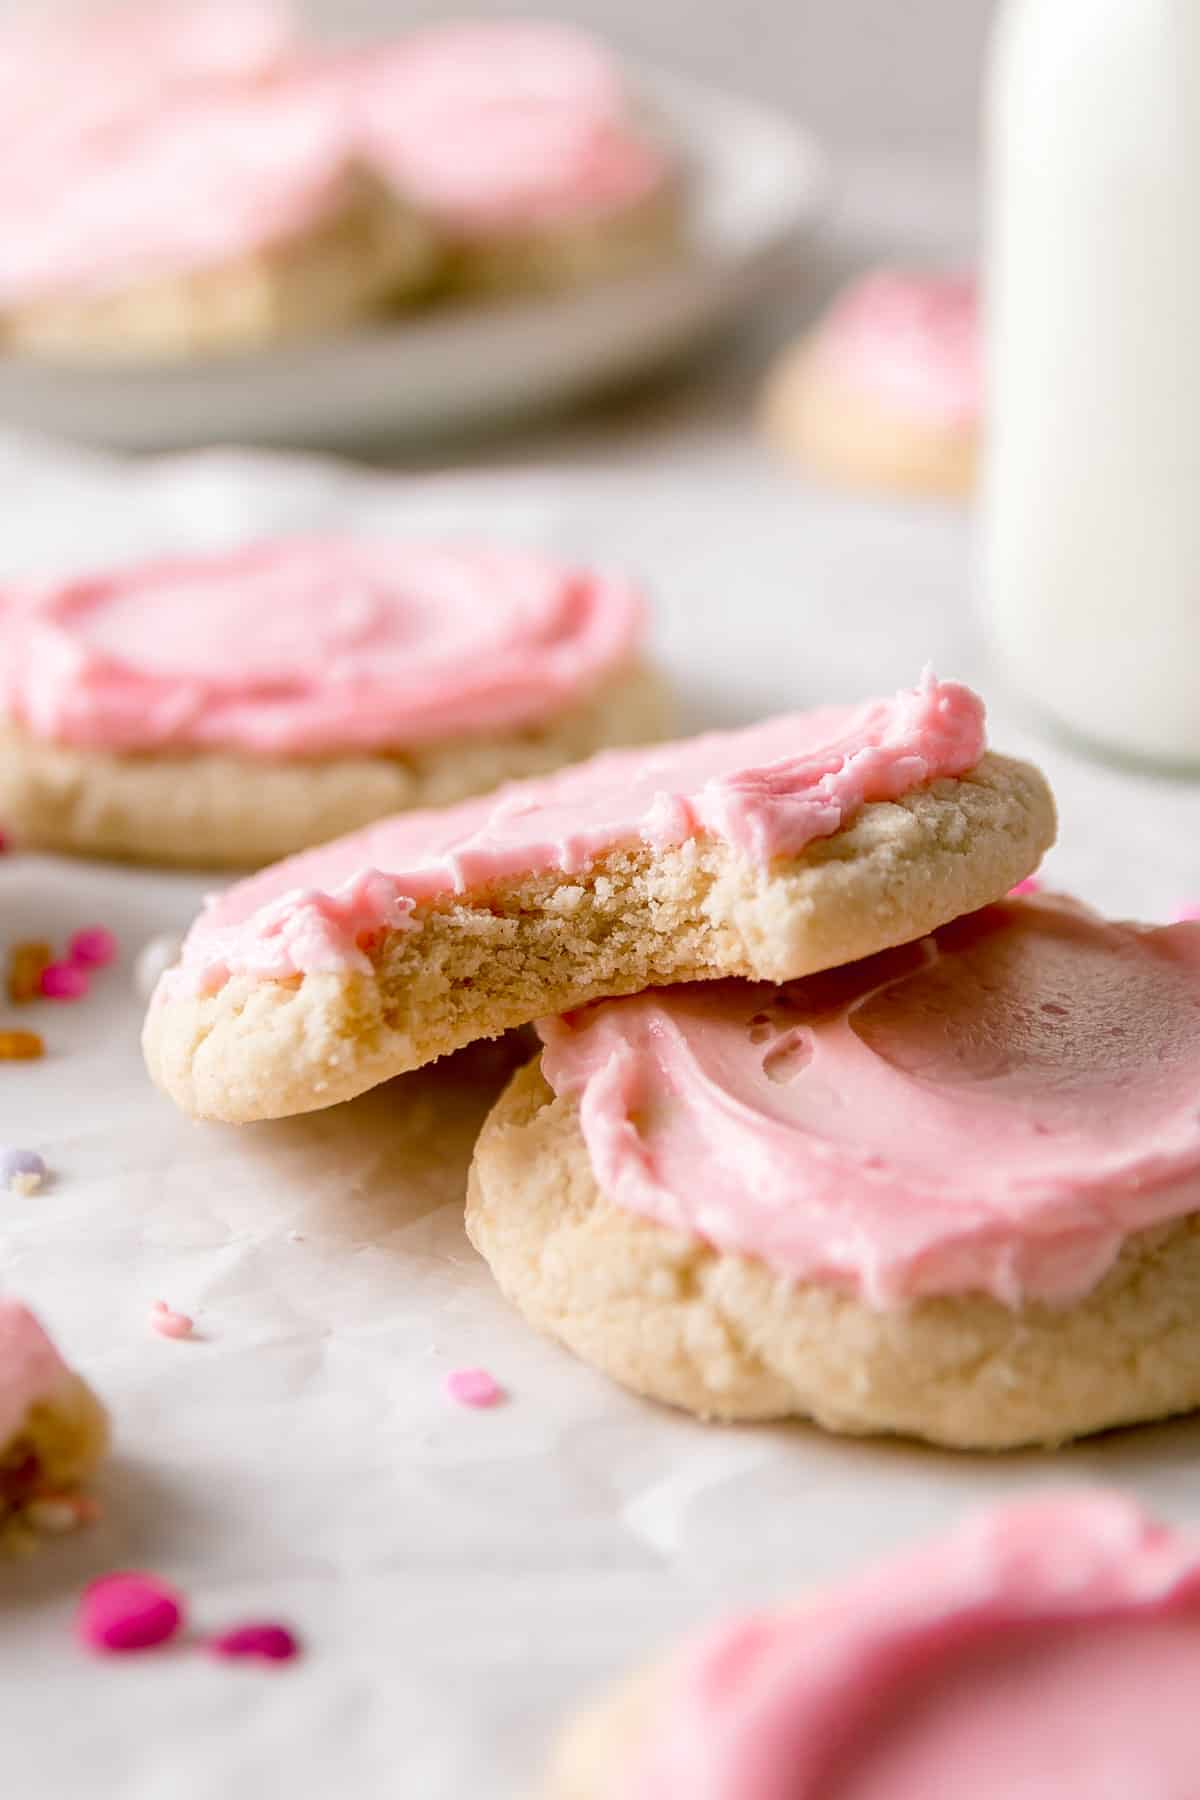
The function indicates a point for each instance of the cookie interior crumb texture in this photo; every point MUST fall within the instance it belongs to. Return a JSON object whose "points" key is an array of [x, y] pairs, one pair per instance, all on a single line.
{"points": [[472, 966]]}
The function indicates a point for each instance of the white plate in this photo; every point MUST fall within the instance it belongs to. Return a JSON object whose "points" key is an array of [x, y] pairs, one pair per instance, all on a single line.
{"points": [[757, 182]]}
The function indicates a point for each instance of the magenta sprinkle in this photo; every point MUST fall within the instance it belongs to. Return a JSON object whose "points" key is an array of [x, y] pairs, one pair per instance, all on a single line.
{"points": [[1030, 885], [128, 1611], [273, 1642], [63, 981], [93, 948], [473, 1387]]}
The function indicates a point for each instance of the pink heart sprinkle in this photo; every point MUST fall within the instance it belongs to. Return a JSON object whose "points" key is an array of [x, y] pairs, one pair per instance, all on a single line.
{"points": [[274, 1642], [63, 981], [473, 1387], [128, 1611], [93, 948], [1030, 885]]}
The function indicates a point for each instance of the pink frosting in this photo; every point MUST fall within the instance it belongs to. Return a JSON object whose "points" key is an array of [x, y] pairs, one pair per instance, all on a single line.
{"points": [[510, 122], [911, 341], [93, 69], [765, 792], [311, 646], [31, 1370], [995, 1109], [202, 182], [1047, 1650]]}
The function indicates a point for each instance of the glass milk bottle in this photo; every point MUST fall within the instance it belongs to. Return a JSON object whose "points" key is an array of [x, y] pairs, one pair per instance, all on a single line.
{"points": [[1091, 507]]}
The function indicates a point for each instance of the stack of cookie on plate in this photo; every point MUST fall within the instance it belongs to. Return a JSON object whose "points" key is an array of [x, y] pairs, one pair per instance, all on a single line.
{"points": [[188, 178]]}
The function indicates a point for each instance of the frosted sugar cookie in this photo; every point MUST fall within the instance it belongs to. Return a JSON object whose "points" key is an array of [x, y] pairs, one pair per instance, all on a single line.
{"points": [[53, 1430], [219, 222], [518, 140], [230, 709], [1044, 1650], [887, 390], [766, 853], [951, 1191]]}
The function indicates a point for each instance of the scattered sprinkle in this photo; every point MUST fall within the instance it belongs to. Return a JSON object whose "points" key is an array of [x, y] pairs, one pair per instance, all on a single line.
{"points": [[154, 959], [169, 1324], [1030, 885], [273, 1642], [63, 981], [92, 948], [474, 1387], [1188, 914], [20, 1046], [26, 963], [128, 1611], [21, 1171]]}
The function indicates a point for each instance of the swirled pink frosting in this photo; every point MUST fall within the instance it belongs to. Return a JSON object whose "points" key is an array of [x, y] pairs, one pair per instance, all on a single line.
{"points": [[765, 792], [200, 182], [1046, 1650], [31, 1370], [911, 341], [310, 647], [493, 124], [994, 1109]]}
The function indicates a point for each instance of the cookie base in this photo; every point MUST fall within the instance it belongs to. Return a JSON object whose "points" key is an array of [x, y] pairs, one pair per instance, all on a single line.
{"points": [[64, 1439], [473, 966], [568, 252], [856, 439], [370, 248], [224, 810], [726, 1337]]}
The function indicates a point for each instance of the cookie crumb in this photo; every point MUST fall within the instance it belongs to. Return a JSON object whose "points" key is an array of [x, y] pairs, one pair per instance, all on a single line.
{"points": [[21, 1171], [20, 1046]]}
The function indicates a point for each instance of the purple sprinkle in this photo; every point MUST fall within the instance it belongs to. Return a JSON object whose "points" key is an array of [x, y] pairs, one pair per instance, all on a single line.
{"points": [[21, 1169], [274, 1642]]}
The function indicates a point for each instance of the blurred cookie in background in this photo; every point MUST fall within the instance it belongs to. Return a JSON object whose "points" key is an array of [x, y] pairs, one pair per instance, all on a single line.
{"points": [[886, 390]]}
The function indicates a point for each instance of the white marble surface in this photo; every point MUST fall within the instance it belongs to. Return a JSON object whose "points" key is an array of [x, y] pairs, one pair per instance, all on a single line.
{"points": [[460, 1579]]}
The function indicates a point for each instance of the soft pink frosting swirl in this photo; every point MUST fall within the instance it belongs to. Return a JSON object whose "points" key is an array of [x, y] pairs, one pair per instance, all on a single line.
{"points": [[911, 341], [198, 182], [995, 1109], [311, 646], [31, 1370], [765, 792], [503, 123], [1047, 1650]]}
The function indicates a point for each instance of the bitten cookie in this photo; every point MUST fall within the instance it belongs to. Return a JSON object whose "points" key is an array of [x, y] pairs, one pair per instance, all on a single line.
{"points": [[226, 220], [886, 392], [951, 1191], [766, 853], [53, 1430], [517, 138], [1045, 1650], [227, 710]]}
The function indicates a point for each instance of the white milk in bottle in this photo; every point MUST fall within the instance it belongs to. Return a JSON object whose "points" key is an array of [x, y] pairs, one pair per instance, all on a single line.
{"points": [[1091, 509]]}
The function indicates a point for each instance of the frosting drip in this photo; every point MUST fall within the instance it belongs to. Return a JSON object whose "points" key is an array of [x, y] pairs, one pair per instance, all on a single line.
{"points": [[311, 647], [1046, 1650], [31, 1370], [993, 1110], [911, 340], [765, 792]]}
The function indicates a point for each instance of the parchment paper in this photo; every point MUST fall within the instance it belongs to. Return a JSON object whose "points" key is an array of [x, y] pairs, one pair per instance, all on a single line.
{"points": [[460, 1579]]}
